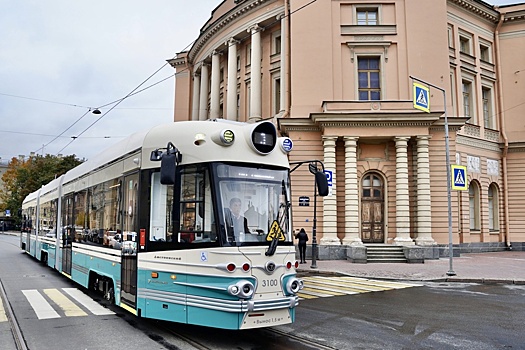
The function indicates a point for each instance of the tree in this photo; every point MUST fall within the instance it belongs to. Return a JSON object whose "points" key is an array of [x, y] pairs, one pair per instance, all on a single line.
{"points": [[26, 176]]}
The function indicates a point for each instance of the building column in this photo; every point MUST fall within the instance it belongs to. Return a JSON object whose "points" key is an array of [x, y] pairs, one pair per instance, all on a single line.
{"points": [[283, 64], [424, 210], [231, 94], [255, 75], [203, 96], [351, 193], [195, 98], [215, 91], [402, 198], [330, 201]]}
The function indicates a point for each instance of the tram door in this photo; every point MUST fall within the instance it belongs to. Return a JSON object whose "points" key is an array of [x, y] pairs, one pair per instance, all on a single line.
{"points": [[372, 202], [130, 237], [68, 234]]}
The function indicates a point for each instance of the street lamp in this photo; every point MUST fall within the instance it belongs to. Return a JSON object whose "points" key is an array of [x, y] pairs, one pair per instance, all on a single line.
{"points": [[321, 187]]}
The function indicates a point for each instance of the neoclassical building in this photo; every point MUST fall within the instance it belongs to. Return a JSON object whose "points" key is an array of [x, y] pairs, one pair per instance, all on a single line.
{"points": [[337, 77]]}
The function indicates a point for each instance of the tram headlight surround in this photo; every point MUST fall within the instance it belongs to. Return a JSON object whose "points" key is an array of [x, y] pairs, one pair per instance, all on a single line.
{"points": [[242, 289], [263, 137], [294, 285]]}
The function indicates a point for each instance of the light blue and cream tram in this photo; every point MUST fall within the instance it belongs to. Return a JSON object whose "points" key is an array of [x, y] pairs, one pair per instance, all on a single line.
{"points": [[150, 224]]}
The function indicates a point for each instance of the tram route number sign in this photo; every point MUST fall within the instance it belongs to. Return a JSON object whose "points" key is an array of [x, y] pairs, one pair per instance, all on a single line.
{"points": [[276, 232]]}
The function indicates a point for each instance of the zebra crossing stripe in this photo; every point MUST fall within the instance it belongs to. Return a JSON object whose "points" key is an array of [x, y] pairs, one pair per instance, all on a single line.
{"points": [[323, 286], [3, 316], [70, 309], [40, 305], [87, 302]]}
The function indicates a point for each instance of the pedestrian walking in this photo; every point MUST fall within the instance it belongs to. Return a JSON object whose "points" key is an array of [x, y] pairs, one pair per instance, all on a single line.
{"points": [[303, 238]]}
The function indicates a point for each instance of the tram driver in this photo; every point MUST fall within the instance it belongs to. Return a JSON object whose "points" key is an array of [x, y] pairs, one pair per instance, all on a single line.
{"points": [[236, 224]]}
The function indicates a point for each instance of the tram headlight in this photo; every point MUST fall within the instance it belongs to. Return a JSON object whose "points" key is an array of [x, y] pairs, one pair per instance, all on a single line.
{"points": [[294, 285], [263, 137], [242, 289]]}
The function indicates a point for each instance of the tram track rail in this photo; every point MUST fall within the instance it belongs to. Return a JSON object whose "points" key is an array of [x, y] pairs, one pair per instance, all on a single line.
{"points": [[18, 338], [249, 339]]}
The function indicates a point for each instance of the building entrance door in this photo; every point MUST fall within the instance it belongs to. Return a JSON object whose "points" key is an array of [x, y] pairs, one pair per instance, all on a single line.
{"points": [[372, 204]]}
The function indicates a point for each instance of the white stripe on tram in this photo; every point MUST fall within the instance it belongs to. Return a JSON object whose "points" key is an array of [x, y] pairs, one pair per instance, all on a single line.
{"points": [[87, 302], [40, 305]]}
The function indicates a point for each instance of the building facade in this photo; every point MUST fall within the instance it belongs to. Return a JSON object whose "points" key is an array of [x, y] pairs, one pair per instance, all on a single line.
{"points": [[337, 78]]}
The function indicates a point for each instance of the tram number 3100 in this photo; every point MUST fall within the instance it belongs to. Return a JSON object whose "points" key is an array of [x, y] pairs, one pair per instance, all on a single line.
{"points": [[270, 283]]}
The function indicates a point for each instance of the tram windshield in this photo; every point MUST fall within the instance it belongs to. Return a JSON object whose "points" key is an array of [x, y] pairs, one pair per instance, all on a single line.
{"points": [[253, 202]]}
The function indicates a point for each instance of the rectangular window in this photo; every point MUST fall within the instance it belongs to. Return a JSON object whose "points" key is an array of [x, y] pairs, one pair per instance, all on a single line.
{"points": [[277, 95], [276, 43], [487, 114], [464, 45], [367, 17], [450, 37], [368, 73], [467, 99], [484, 53]]}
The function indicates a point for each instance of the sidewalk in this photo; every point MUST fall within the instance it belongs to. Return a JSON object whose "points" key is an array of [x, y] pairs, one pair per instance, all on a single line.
{"points": [[498, 267]]}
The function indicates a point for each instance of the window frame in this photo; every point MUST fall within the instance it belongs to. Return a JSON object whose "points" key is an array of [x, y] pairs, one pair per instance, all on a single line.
{"points": [[380, 77], [474, 206], [493, 207], [367, 10]]}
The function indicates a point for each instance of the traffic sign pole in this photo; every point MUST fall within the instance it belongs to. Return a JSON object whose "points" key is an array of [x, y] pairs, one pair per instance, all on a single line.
{"points": [[449, 177]]}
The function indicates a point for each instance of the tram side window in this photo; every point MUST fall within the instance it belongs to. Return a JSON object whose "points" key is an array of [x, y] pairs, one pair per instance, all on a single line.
{"points": [[193, 222], [80, 213], [196, 209], [161, 227]]}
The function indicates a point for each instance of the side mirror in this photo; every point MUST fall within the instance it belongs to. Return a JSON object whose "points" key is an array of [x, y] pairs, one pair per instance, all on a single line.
{"points": [[155, 155], [322, 183]]}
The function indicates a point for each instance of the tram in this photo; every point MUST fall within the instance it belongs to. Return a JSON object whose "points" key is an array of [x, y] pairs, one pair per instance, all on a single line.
{"points": [[187, 222]]}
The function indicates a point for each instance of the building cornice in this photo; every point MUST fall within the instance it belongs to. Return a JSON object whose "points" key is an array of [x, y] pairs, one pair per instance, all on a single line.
{"points": [[241, 10], [477, 143], [478, 8]]}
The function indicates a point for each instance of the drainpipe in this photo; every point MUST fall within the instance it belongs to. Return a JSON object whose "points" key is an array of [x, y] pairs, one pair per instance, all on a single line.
{"points": [[502, 128], [287, 55]]}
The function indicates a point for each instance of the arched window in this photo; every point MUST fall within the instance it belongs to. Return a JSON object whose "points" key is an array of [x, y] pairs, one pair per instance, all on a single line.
{"points": [[493, 197], [473, 196]]}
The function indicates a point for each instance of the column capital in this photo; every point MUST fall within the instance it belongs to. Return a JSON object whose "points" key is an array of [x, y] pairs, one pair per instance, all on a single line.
{"points": [[255, 28], [330, 138], [231, 42], [401, 138], [350, 140], [423, 137], [216, 52]]}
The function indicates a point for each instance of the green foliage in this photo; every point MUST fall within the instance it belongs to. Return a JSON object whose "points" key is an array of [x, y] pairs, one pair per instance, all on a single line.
{"points": [[25, 176]]}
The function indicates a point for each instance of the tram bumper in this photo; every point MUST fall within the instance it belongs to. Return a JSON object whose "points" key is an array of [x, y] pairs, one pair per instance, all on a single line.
{"points": [[268, 313]]}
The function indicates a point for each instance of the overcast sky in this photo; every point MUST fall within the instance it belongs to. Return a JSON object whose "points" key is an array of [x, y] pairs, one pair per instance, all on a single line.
{"points": [[59, 58], [88, 54]]}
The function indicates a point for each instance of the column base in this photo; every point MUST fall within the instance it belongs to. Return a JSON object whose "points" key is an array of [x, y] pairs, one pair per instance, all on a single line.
{"points": [[355, 241], [425, 241], [403, 241], [330, 241]]}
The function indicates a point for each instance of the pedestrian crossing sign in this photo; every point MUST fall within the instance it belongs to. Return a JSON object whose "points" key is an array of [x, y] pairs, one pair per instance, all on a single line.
{"points": [[421, 97], [459, 177]]}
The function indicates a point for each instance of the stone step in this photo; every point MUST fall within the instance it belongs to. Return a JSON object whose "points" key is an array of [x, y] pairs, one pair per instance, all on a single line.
{"points": [[384, 253], [386, 260]]}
